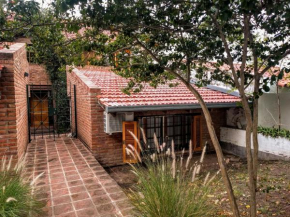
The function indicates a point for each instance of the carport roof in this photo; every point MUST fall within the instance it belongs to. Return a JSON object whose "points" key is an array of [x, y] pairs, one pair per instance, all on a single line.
{"points": [[161, 98]]}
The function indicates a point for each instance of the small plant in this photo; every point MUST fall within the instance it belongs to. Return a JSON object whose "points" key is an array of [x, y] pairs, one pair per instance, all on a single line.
{"points": [[17, 194], [273, 132], [168, 185]]}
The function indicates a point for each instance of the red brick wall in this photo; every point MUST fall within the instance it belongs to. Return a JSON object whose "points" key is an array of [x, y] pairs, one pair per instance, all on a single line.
{"points": [[8, 140], [38, 75], [13, 102], [219, 120], [20, 67], [108, 149], [83, 104], [90, 123]]}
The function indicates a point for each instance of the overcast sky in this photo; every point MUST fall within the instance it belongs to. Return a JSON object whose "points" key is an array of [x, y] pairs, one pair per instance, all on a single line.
{"points": [[43, 3]]}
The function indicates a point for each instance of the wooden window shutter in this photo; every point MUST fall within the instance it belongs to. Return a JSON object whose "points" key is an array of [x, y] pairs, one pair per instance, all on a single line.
{"points": [[116, 58], [197, 133], [128, 139]]}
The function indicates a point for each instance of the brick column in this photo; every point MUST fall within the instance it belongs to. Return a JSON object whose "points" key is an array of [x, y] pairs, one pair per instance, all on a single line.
{"points": [[13, 102]]}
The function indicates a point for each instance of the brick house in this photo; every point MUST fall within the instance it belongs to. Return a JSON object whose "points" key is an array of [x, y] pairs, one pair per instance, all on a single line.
{"points": [[16, 74], [103, 115]]}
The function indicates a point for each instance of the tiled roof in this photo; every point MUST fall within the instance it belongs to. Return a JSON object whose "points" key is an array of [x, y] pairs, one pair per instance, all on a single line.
{"points": [[211, 66], [73, 35], [111, 84], [81, 32], [284, 82]]}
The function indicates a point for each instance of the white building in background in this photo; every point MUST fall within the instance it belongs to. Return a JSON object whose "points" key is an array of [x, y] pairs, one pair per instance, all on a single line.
{"points": [[274, 108]]}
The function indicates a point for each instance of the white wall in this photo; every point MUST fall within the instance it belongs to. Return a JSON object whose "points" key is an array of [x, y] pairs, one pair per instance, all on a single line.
{"points": [[268, 109], [279, 147]]}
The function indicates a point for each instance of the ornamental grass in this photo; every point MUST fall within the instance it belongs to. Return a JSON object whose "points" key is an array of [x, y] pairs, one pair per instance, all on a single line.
{"points": [[18, 195], [168, 185]]}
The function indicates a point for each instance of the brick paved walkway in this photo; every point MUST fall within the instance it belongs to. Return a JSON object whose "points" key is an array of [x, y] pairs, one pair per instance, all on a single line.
{"points": [[74, 183]]}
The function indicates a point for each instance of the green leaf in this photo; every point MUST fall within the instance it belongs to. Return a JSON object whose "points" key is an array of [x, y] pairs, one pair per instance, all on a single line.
{"points": [[266, 88]]}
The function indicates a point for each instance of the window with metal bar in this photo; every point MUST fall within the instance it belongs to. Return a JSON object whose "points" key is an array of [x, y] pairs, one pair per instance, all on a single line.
{"points": [[179, 130], [168, 128], [152, 125]]}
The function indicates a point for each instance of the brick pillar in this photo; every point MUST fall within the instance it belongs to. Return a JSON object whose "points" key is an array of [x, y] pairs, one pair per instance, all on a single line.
{"points": [[13, 102]]}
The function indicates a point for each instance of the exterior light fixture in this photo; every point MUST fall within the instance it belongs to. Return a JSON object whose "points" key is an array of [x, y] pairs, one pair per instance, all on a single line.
{"points": [[1, 70], [26, 74]]}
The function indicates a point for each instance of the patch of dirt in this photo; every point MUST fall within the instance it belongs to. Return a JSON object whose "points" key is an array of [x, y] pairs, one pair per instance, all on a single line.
{"points": [[273, 196], [123, 176]]}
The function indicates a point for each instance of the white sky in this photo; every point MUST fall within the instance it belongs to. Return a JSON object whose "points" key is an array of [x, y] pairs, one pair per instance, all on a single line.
{"points": [[44, 3]]}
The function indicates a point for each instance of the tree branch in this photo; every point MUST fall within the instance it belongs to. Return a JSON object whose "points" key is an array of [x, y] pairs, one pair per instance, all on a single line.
{"points": [[245, 51], [268, 67], [229, 56]]}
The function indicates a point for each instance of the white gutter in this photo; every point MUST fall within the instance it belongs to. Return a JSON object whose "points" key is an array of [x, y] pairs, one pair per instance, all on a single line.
{"points": [[111, 109], [223, 90]]}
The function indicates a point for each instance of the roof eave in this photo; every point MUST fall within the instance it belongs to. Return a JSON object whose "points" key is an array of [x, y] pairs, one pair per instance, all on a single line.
{"points": [[223, 90], [111, 109]]}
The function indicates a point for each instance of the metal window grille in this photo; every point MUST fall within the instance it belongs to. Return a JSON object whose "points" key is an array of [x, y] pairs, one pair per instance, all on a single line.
{"points": [[167, 128]]}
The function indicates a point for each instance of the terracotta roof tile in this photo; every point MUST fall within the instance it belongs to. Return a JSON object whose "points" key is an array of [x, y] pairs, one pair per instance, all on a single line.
{"points": [[284, 82], [111, 84], [274, 70], [81, 32]]}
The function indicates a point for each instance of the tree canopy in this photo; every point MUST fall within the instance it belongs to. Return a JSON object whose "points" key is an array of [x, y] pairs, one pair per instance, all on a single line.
{"points": [[181, 33], [237, 41]]}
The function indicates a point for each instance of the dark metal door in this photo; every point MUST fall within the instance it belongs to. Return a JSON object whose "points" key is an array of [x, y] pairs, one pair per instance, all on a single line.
{"points": [[61, 108], [48, 110], [40, 103]]}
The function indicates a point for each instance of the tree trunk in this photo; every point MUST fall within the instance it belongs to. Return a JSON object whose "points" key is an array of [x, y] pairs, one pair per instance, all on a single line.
{"points": [[279, 107], [217, 147], [250, 163], [255, 133]]}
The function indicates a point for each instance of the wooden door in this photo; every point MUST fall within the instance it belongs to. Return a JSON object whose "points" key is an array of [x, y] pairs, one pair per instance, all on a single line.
{"points": [[39, 110], [197, 133], [128, 139]]}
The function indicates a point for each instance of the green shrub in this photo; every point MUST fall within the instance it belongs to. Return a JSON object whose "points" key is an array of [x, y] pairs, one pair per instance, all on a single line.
{"points": [[17, 195], [170, 187], [274, 132]]}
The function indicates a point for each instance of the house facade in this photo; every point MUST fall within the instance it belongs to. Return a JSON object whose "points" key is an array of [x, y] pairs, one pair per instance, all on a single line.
{"points": [[103, 115]]}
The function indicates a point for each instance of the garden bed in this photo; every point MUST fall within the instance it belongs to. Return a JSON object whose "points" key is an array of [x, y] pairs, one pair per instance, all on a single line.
{"points": [[274, 185]]}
